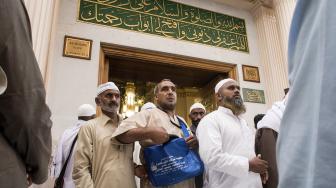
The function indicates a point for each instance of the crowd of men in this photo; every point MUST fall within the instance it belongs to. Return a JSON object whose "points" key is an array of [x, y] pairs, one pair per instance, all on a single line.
{"points": [[103, 155], [98, 151]]}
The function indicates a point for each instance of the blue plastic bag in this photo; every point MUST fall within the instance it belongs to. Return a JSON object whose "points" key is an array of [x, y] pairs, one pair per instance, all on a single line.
{"points": [[172, 162]]}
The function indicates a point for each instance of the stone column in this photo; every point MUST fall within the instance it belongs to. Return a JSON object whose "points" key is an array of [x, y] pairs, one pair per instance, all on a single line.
{"points": [[284, 12], [41, 14], [271, 53]]}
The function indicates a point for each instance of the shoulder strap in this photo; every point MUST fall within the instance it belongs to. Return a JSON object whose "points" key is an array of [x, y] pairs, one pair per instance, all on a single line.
{"points": [[67, 160], [185, 131]]}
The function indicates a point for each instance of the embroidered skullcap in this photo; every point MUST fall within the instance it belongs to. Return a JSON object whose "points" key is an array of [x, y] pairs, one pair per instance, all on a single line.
{"points": [[147, 105], [86, 110], [197, 105], [222, 83], [106, 86]]}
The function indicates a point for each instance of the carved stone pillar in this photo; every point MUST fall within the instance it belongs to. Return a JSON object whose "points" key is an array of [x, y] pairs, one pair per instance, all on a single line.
{"points": [[41, 14], [271, 52], [284, 12]]}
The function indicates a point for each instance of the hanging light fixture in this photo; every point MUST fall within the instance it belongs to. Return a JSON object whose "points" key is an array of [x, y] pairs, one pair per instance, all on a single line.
{"points": [[130, 107]]}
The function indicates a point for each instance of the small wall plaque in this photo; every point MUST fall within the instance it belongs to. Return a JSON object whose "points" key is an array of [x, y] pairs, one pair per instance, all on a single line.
{"points": [[251, 73], [253, 95], [77, 47]]}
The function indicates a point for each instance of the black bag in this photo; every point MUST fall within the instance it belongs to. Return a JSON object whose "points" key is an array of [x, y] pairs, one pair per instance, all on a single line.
{"points": [[59, 182]]}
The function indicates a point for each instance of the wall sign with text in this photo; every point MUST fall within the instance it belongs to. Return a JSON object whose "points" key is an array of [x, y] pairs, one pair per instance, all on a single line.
{"points": [[253, 95], [251, 73], [168, 19], [77, 47]]}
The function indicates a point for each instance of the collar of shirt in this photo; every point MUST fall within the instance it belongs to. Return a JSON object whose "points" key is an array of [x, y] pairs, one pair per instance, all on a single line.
{"points": [[228, 111], [104, 119], [173, 119]]}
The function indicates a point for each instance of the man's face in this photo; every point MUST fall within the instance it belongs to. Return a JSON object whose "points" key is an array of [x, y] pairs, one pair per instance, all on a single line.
{"points": [[166, 95], [230, 91], [229, 97], [196, 115], [109, 100]]}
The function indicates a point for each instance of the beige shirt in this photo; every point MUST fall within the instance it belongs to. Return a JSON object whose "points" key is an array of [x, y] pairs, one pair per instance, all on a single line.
{"points": [[150, 118], [100, 160]]}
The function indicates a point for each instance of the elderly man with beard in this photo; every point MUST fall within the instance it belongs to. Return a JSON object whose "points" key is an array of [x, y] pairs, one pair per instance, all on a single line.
{"points": [[226, 143], [196, 113], [100, 160], [162, 118]]}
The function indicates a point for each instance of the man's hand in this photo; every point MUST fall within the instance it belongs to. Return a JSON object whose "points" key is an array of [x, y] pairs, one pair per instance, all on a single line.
{"points": [[258, 165], [192, 142], [29, 180], [158, 135], [140, 171], [264, 177]]}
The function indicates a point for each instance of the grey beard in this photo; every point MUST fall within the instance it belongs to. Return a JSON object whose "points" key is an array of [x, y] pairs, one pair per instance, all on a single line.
{"points": [[235, 104], [114, 109], [238, 102]]}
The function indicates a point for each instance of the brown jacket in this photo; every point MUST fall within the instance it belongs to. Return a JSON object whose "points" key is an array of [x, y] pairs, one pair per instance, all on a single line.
{"points": [[25, 136]]}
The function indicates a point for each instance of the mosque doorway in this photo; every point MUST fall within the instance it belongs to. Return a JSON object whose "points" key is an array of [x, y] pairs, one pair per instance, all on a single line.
{"points": [[136, 72]]}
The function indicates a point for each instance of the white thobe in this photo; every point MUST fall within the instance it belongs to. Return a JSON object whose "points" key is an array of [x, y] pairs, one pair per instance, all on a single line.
{"points": [[273, 116], [62, 153], [226, 144], [136, 160]]}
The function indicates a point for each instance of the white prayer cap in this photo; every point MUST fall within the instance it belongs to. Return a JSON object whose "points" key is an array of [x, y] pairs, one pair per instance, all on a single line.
{"points": [[86, 110], [222, 83], [3, 81], [197, 105], [147, 105], [106, 86]]}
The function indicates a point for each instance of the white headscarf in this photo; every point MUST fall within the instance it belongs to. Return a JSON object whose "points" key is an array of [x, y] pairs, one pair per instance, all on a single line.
{"points": [[3, 81], [223, 83], [147, 105], [86, 110], [106, 86], [197, 105]]}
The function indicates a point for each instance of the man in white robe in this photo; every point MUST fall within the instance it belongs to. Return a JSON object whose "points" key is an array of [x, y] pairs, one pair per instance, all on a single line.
{"points": [[306, 144], [196, 112], [226, 143], [85, 113]]}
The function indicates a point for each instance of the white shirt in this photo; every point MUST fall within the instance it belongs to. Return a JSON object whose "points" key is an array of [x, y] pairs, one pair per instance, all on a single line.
{"points": [[62, 153], [226, 144], [136, 160], [273, 116]]}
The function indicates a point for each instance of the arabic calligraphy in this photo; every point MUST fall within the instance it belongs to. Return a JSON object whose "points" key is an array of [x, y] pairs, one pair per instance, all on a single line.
{"points": [[168, 19], [253, 95]]}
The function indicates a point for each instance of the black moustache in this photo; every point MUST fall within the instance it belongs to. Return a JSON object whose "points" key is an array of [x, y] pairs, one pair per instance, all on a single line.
{"points": [[113, 104]]}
